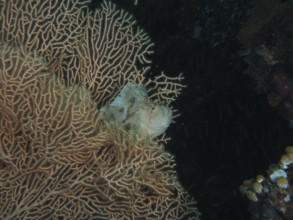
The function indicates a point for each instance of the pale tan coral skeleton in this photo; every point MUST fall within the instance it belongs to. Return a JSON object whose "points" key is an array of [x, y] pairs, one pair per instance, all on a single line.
{"points": [[58, 158]]}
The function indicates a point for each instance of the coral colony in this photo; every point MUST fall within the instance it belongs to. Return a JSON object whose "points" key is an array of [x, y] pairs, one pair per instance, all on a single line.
{"points": [[81, 123], [270, 67]]}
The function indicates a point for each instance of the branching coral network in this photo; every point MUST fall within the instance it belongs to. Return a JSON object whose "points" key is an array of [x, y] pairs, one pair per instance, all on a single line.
{"points": [[59, 63]]}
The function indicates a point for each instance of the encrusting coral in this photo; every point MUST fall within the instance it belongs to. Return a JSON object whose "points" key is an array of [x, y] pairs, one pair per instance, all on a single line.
{"points": [[274, 191], [59, 63]]}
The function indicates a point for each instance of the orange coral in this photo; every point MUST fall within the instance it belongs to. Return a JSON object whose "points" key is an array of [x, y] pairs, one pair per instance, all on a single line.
{"points": [[103, 50], [58, 158]]}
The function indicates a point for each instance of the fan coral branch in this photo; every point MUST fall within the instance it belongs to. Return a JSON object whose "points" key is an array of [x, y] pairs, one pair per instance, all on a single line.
{"points": [[59, 158]]}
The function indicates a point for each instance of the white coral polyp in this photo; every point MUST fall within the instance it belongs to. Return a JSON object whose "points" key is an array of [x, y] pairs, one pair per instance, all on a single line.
{"points": [[133, 110], [153, 120]]}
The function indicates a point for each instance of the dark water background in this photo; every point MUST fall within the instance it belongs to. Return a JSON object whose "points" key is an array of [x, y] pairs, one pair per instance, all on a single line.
{"points": [[226, 132]]}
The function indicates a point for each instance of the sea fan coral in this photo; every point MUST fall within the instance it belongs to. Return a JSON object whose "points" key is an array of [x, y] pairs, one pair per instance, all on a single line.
{"points": [[58, 158]]}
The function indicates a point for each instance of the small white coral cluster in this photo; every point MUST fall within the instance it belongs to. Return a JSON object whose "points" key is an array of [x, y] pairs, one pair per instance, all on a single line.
{"points": [[276, 189], [133, 110]]}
